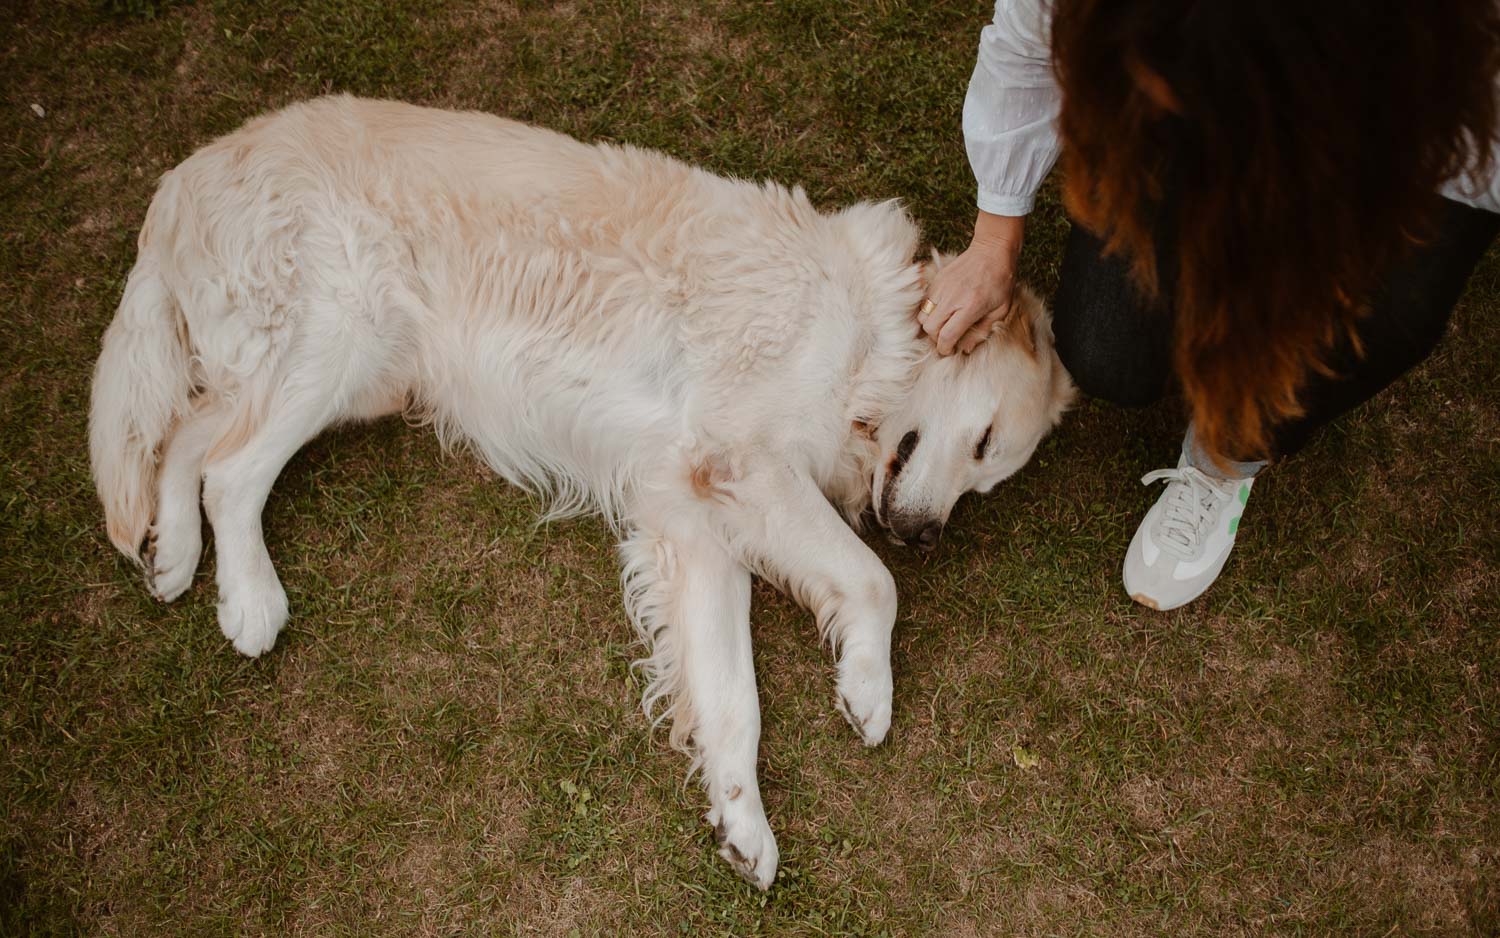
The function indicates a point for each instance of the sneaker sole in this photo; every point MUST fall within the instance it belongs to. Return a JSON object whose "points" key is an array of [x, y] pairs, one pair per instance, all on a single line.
{"points": [[1146, 601]]}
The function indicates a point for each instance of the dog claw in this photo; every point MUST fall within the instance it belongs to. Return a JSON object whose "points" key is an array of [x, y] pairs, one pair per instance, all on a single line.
{"points": [[864, 698], [169, 560], [856, 722]]}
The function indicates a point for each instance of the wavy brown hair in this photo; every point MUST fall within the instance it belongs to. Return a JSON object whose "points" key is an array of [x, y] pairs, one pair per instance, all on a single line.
{"points": [[1288, 152]]}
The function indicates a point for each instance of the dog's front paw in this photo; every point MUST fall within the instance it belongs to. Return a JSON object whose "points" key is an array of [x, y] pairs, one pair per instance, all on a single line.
{"points": [[864, 694], [745, 840], [251, 615]]}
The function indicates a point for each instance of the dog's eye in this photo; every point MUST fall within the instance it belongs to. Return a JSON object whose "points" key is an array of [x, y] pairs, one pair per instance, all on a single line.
{"points": [[984, 442]]}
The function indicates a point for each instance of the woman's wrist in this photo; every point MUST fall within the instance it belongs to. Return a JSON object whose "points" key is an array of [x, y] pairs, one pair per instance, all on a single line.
{"points": [[999, 235]]}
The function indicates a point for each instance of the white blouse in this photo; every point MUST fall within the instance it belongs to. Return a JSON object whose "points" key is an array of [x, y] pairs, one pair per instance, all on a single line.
{"points": [[1010, 115]]}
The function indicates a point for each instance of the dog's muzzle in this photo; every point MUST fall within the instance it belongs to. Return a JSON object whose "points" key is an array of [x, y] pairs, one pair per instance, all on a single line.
{"points": [[923, 535]]}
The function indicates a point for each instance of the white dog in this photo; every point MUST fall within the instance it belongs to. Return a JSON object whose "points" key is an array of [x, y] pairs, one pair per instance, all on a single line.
{"points": [[724, 372]]}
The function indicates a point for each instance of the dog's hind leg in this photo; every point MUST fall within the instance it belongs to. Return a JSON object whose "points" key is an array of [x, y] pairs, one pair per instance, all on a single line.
{"points": [[252, 603], [781, 526], [176, 535], [691, 601]]}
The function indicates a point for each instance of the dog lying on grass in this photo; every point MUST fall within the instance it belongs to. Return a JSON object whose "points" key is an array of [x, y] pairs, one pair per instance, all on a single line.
{"points": [[728, 375]]}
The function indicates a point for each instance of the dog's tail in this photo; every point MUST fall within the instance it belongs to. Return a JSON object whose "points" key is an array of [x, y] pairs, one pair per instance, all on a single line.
{"points": [[142, 382]]}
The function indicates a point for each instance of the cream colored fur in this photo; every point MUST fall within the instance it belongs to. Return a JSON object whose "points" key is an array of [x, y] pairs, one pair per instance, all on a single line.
{"points": [[712, 364]]}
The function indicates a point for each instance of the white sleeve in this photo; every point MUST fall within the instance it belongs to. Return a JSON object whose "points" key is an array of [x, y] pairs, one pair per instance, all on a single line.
{"points": [[1481, 190], [1011, 109]]}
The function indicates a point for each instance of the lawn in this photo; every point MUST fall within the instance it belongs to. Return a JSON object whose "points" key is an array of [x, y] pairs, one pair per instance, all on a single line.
{"points": [[446, 739]]}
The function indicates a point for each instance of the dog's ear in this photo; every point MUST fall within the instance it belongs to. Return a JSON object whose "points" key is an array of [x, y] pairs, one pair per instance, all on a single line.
{"points": [[1021, 329], [1064, 391], [935, 262], [925, 270]]}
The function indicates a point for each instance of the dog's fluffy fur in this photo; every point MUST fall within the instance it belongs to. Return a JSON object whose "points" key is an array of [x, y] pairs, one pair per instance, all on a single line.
{"points": [[724, 372]]}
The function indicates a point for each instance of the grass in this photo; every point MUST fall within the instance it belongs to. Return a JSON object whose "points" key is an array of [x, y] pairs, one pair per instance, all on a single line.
{"points": [[445, 740]]}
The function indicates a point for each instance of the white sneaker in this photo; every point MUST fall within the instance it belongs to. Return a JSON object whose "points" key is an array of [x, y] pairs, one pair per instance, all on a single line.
{"points": [[1181, 546]]}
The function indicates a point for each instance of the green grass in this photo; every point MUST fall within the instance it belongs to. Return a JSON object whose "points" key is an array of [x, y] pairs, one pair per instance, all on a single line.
{"points": [[446, 740]]}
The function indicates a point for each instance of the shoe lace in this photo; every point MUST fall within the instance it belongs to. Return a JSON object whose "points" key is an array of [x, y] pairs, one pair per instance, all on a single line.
{"points": [[1190, 507]]}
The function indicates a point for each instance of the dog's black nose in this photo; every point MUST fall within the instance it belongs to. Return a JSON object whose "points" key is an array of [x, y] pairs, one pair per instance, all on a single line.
{"points": [[927, 538]]}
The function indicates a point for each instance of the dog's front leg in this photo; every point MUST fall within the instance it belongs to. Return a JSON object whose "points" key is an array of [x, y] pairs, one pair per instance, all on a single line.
{"points": [[783, 527], [719, 675], [695, 607]]}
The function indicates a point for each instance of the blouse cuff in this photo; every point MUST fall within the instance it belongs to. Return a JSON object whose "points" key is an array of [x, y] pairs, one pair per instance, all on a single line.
{"points": [[998, 204]]}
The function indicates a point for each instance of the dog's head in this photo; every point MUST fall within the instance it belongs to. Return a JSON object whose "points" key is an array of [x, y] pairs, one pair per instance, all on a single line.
{"points": [[970, 422]]}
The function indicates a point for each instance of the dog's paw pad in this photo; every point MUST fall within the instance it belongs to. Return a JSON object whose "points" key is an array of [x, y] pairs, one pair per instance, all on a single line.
{"points": [[251, 618]]}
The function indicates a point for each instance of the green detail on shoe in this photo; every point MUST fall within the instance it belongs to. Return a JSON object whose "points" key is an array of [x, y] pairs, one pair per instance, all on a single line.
{"points": [[1234, 524], [1244, 496]]}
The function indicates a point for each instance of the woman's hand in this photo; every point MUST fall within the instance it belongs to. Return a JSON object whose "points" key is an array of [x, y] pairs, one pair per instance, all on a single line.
{"points": [[974, 291]]}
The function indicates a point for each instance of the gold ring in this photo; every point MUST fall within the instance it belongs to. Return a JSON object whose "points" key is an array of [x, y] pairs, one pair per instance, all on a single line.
{"points": [[926, 307]]}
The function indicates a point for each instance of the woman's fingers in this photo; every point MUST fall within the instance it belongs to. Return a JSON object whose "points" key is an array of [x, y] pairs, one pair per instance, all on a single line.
{"points": [[962, 328], [955, 327], [949, 304], [967, 297], [931, 317], [950, 327], [974, 337], [981, 330], [984, 328]]}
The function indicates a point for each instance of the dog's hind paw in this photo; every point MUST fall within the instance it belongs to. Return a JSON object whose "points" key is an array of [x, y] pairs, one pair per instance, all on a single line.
{"points": [[746, 842], [170, 566], [252, 617]]}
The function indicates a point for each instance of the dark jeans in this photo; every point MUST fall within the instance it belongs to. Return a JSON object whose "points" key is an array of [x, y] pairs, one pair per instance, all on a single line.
{"points": [[1118, 347]]}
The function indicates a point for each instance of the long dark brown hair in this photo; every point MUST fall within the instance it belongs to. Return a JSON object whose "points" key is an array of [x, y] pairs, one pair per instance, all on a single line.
{"points": [[1287, 152]]}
